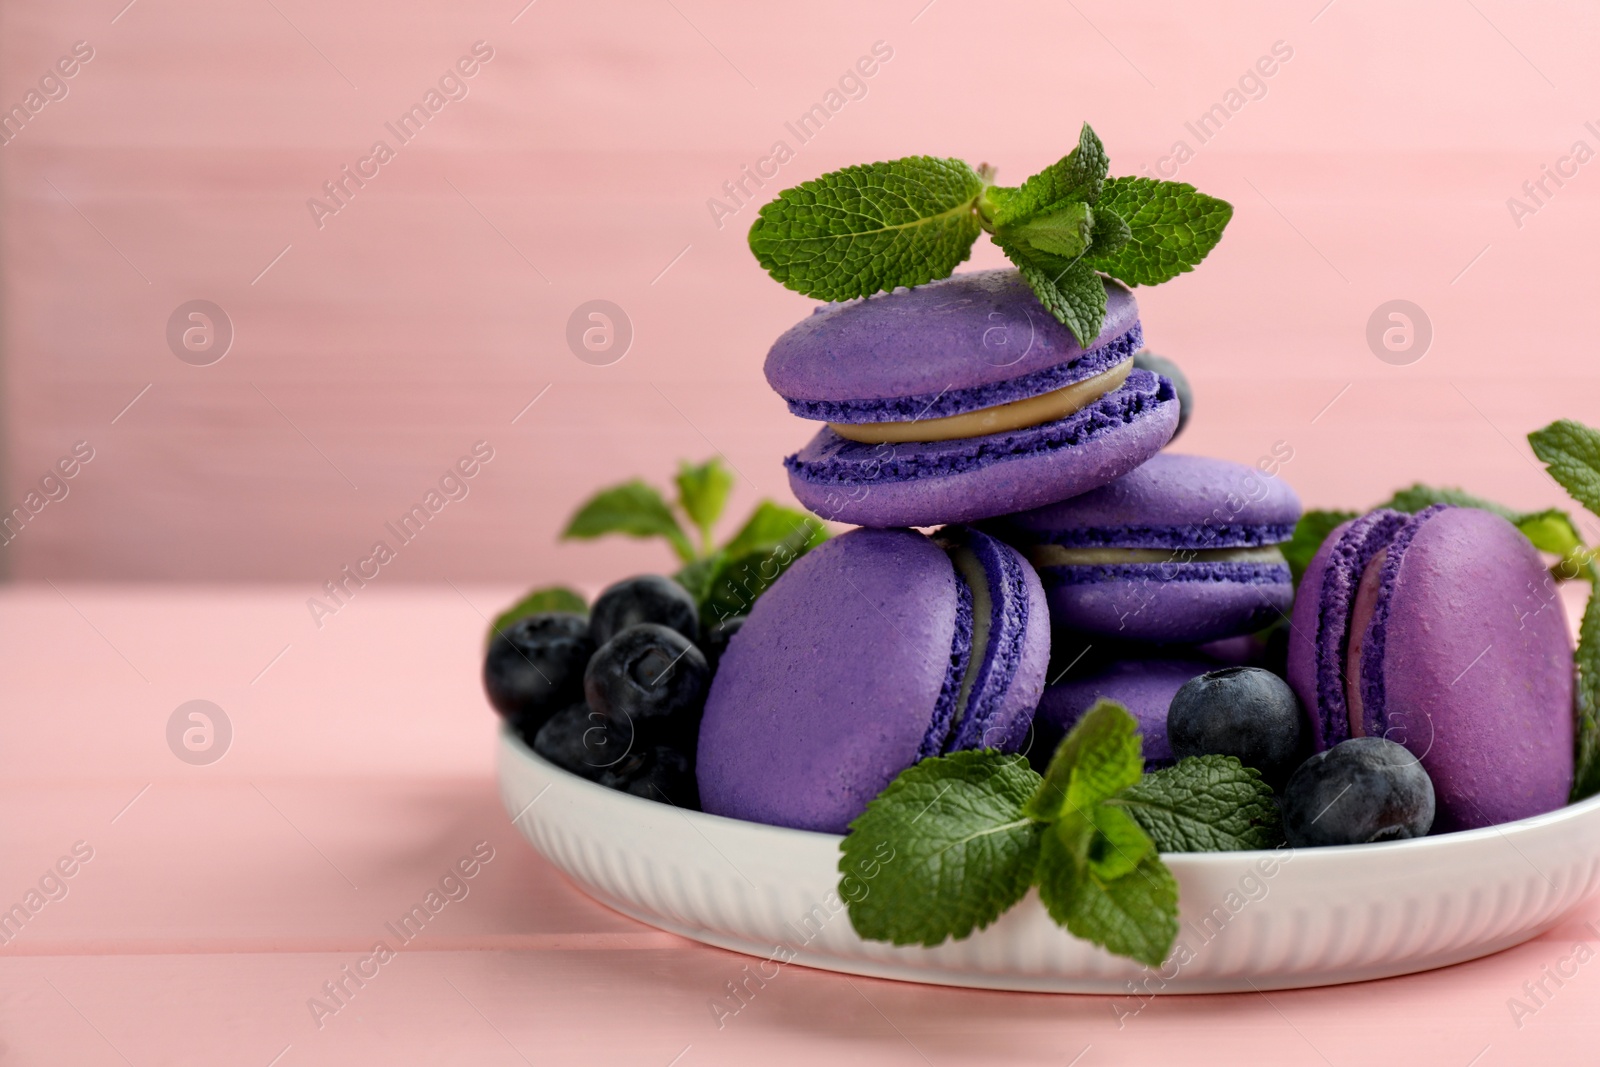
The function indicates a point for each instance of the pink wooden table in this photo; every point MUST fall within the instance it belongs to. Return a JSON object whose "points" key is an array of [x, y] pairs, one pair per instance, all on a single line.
{"points": [[220, 898]]}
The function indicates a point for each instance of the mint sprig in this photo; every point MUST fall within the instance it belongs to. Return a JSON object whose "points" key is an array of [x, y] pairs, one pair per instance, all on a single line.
{"points": [[726, 580], [955, 840], [874, 227]]}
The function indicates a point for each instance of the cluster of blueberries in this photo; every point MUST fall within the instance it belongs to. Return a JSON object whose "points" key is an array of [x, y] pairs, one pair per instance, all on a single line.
{"points": [[1361, 790], [616, 697]]}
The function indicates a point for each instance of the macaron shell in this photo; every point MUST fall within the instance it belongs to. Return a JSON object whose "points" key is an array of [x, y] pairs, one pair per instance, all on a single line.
{"points": [[1012, 675], [1478, 671], [960, 333], [1173, 501], [1144, 686], [1168, 602], [829, 689], [934, 483]]}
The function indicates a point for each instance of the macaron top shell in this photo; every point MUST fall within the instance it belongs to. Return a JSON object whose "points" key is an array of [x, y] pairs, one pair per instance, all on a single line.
{"points": [[830, 688], [1171, 501], [963, 343]]}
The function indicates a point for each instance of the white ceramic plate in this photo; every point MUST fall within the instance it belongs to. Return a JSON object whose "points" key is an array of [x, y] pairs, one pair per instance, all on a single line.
{"points": [[1248, 920]]}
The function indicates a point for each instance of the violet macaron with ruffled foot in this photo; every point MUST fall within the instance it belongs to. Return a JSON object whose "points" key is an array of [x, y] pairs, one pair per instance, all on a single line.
{"points": [[1183, 549], [964, 399], [1441, 631], [875, 650]]}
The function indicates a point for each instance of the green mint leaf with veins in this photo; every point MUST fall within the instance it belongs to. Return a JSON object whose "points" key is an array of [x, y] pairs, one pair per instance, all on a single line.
{"points": [[728, 581], [536, 602], [1069, 289], [1100, 756], [1571, 451], [870, 228], [702, 494], [1172, 227], [1062, 231], [1077, 176], [1110, 232], [1204, 804], [1133, 915], [1309, 533], [944, 850], [632, 508]]}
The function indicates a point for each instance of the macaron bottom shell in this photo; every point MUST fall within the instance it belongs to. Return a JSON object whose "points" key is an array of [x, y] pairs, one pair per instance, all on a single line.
{"points": [[966, 479]]}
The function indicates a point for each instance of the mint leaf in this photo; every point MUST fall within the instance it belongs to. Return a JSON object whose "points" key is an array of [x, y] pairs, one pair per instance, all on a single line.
{"points": [[1204, 804], [1309, 533], [1110, 232], [1134, 915], [1079, 175], [865, 229], [1551, 530], [1173, 226], [1069, 290], [632, 508], [1062, 231], [549, 598], [703, 492], [1586, 776], [944, 850], [1119, 843], [770, 525], [1571, 451], [1100, 756]]}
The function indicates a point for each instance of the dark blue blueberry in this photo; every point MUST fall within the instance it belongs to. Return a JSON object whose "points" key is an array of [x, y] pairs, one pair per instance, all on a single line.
{"points": [[535, 667], [1361, 790], [647, 598], [649, 683], [661, 773], [1246, 712], [579, 740], [715, 641], [1180, 383]]}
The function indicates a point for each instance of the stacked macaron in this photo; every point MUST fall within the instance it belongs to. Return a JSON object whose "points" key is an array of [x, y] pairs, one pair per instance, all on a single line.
{"points": [[1146, 574], [964, 399]]}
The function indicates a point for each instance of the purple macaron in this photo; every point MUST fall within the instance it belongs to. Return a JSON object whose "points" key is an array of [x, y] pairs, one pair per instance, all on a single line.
{"points": [[1441, 631], [1183, 549], [963, 399], [1145, 686], [875, 650]]}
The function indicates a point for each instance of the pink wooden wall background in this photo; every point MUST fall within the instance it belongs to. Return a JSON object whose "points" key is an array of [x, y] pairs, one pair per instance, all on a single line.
{"points": [[373, 351]]}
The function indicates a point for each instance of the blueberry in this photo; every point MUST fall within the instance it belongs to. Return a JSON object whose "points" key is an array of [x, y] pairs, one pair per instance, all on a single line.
{"points": [[648, 682], [535, 667], [1246, 712], [1360, 790], [647, 598], [1167, 369], [715, 641], [580, 741], [660, 773]]}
